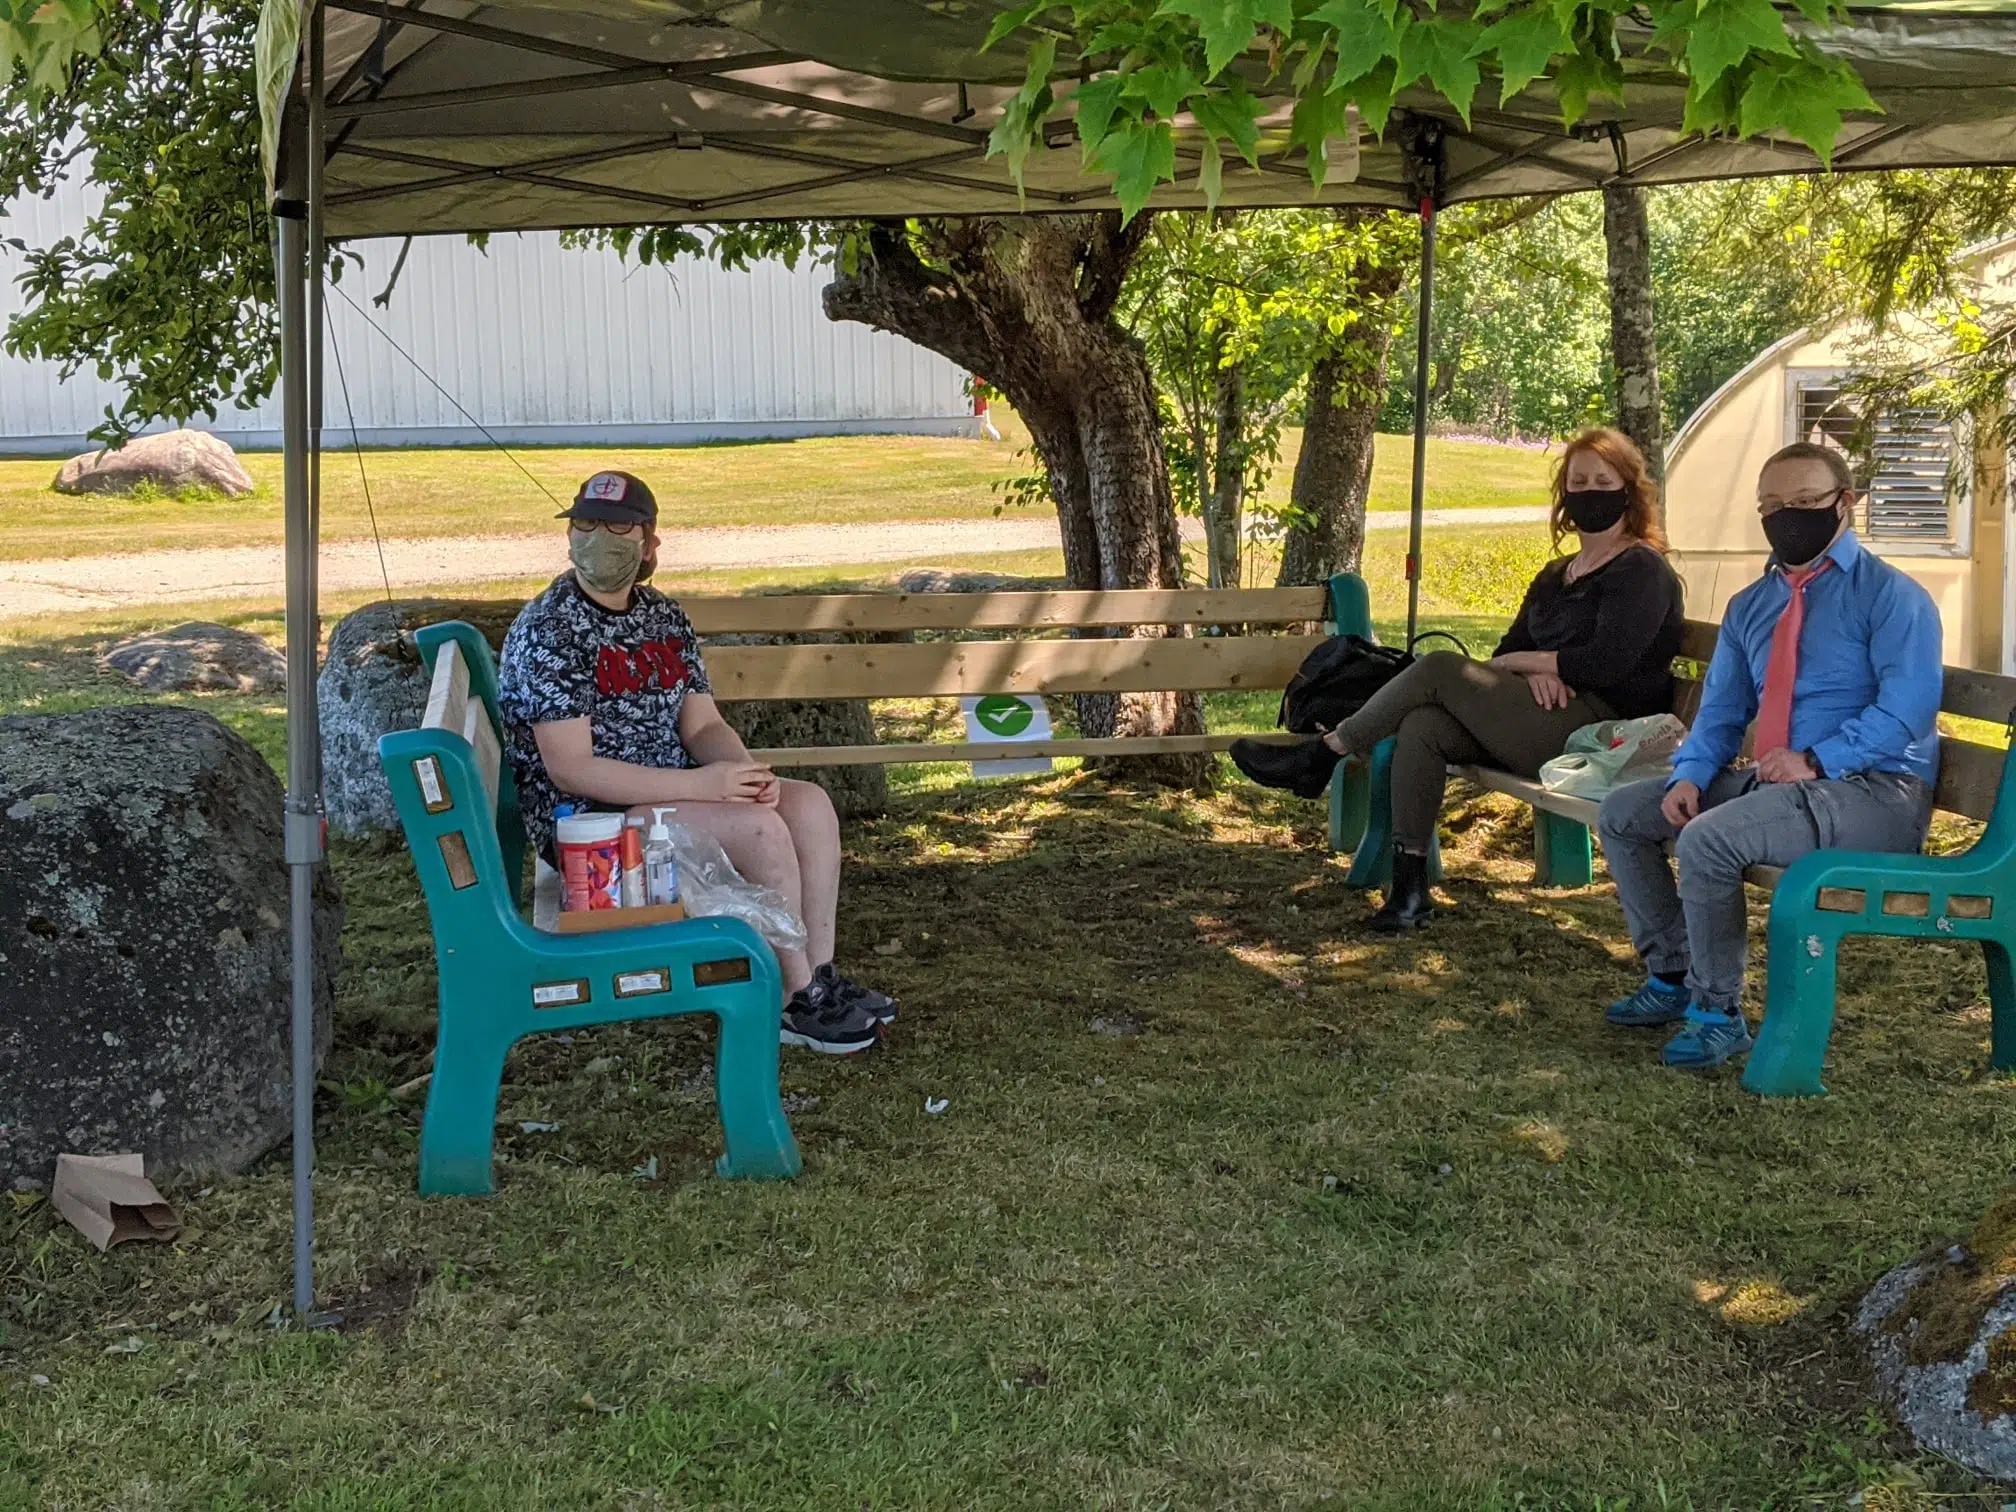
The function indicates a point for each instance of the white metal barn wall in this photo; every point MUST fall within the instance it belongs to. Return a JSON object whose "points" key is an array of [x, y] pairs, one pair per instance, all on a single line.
{"points": [[543, 345]]}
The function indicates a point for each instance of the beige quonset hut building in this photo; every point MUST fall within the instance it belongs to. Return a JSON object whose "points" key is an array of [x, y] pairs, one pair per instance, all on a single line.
{"points": [[1938, 504]]}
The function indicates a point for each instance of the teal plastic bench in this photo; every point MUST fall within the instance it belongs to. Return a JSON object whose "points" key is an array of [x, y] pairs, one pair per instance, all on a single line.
{"points": [[1823, 898], [1819, 900], [501, 979]]}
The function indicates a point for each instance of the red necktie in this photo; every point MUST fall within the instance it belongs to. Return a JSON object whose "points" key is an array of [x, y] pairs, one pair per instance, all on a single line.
{"points": [[1774, 709]]}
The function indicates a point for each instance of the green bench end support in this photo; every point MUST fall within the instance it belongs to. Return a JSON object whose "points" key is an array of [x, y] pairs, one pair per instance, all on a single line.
{"points": [[501, 980], [1829, 895]]}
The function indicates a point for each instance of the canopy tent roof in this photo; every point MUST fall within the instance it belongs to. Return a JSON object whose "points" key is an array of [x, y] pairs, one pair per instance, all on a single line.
{"points": [[449, 115]]}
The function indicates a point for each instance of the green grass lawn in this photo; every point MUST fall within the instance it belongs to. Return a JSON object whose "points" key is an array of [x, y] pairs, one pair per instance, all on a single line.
{"points": [[1328, 1222], [846, 479]]}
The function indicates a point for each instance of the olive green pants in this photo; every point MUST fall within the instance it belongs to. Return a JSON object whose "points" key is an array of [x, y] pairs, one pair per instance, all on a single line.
{"points": [[1447, 709]]}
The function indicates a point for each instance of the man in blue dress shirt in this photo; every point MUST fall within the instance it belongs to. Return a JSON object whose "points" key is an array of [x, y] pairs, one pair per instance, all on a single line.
{"points": [[1836, 656]]}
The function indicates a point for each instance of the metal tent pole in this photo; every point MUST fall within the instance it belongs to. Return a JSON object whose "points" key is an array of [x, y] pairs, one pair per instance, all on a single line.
{"points": [[1424, 341], [1425, 159], [303, 813]]}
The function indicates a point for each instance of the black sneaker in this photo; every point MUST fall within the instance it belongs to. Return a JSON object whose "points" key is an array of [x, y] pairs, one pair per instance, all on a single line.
{"points": [[844, 989], [815, 1020], [1302, 769]]}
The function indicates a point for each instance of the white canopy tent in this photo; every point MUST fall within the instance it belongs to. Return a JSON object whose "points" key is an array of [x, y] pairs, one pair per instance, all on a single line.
{"points": [[400, 117]]}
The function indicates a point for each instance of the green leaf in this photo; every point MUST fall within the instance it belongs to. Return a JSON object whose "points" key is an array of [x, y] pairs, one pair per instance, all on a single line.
{"points": [[1820, 12], [1139, 155], [1728, 31], [1373, 95], [1211, 172], [1318, 117], [1096, 102], [1233, 117], [1164, 87], [1227, 26], [1013, 20], [1804, 98], [1716, 108], [1440, 51], [1583, 75], [1364, 35], [1525, 43], [1021, 125]]}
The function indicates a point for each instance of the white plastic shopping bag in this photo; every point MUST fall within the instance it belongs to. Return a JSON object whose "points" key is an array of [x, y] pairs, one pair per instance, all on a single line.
{"points": [[1609, 754]]}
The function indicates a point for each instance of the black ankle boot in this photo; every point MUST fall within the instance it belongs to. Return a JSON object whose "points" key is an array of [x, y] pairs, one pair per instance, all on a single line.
{"points": [[1303, 769], [1408, 905]]}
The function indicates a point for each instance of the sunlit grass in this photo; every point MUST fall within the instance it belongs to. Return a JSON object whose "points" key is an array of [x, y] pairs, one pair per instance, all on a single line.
{"points": [[474, 492]]}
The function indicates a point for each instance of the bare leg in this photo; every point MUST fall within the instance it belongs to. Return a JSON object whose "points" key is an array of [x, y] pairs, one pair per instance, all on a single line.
{"points": [[759, 843], [815, 835]]}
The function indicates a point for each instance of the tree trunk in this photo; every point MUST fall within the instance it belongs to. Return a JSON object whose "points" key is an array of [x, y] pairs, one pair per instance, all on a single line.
{"points": [[1028, 300], [1634, 350], [1333, 472], [1225, 500]]}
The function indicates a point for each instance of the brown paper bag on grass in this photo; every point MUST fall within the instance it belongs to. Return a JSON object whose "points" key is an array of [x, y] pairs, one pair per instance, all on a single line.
{"points": [[108, 1199]]}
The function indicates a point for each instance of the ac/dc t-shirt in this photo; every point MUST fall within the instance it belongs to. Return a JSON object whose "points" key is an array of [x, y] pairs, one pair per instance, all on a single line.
{"points": [[627, 674]]}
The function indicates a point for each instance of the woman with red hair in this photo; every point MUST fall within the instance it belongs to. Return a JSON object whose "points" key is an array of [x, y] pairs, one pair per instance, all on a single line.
{"points": [[1594, 639]]}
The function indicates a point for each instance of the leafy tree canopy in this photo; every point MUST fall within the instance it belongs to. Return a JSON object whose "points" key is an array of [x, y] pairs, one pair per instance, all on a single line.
{"points": [[1749, 69], [169, 287]]}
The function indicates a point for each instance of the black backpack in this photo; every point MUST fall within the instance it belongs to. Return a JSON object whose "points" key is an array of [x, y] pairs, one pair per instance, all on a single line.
{"points": [[1336, 679]]}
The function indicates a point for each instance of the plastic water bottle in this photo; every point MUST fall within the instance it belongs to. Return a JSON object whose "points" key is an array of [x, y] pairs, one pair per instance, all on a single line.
{"points": [[661, 873]]}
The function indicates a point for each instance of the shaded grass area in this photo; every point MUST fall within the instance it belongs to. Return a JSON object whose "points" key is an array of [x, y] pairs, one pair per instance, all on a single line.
{"points": [[836, 479], [1338, 1223], [1306, 1220]]}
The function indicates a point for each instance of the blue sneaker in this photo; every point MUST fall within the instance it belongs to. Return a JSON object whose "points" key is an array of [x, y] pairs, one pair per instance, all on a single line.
{"points": [[1709, 1040], [1653, 1004]]}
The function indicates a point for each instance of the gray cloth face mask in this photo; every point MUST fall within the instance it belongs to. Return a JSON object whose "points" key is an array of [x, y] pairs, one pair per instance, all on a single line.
{"points": [[606, 562]]}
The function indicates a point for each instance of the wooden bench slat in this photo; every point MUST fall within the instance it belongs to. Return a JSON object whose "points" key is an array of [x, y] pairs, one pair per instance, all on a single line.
{"points": [[1020, 750], [448, 693], [797, 613], [1697, 640], [1969, 777], [483, 742], [941, 669], [1978, 695]]}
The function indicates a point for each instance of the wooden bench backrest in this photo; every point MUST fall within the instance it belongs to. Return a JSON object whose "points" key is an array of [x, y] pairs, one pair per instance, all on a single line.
{"points": [[449, 707], [1969, 773], [948, 668]]}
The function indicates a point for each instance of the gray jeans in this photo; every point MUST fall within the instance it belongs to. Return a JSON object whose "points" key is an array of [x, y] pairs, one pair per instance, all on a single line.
{"points": [[1701, 927]]}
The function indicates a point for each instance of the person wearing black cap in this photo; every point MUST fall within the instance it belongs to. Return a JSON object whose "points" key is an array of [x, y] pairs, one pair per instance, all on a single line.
{"points": [[606, 705]]}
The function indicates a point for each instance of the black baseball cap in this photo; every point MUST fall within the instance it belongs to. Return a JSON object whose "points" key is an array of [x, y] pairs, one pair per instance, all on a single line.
{"points": [[619, 498]]}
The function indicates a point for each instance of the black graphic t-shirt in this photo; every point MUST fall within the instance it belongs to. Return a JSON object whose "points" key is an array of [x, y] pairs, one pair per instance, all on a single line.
{"points": [[627, 674]]}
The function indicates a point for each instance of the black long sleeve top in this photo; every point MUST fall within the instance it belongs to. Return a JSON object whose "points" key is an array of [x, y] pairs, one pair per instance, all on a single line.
{"points": [[1613, 633]]}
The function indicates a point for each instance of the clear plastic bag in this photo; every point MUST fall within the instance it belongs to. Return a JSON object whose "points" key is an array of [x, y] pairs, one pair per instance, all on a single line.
{"points": [[1609, 754], [710, 886]]}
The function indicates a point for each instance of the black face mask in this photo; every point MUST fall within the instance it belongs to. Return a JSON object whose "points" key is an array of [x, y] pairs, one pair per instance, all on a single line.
{"points": [[1797, 536], [1595, 510]]}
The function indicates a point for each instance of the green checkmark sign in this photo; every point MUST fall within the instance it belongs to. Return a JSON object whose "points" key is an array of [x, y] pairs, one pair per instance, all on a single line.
{"points": [[1003, 716]]}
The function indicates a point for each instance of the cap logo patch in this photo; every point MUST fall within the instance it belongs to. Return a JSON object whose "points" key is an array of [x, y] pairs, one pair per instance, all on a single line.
{"points": [[608, 485]]}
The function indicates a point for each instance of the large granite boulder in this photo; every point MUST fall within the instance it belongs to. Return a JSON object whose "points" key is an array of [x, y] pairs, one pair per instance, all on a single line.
{"points": [[199, 656], [144, 944], [1941, 1331], [171, 461], [371, 683], [956, 580]]}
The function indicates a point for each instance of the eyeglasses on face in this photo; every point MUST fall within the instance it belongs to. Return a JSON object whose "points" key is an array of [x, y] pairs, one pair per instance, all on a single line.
{"points": [[614, 527], [1802, 501]]}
